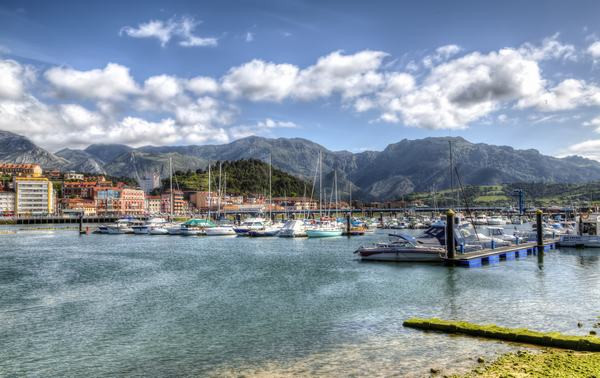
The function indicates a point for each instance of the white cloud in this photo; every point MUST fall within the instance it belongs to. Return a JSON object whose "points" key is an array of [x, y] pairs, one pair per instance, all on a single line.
{"points": [[594, 50], [258, 80], [589, 149], [249, 37], [112, 83], [441, 54], [462, 90], [202, 84], [568, 94], [263, 128], [551, 48], [594, 122], [348, 75], [182, 28], [13, 78]]}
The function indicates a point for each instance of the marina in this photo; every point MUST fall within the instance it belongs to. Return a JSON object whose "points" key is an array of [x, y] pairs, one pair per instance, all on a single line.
{"points": [[113, 303]]}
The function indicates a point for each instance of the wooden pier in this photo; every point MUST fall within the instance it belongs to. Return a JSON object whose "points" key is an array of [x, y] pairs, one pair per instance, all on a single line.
{"points": [[494, 256]]}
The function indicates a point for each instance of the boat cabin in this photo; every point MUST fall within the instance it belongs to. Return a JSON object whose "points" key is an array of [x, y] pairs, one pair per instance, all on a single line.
{"points": [[589, 224]]}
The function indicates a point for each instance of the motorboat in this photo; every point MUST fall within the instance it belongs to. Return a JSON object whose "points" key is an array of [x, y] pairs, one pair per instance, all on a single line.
{"points": [[193, 227], [265, 232], [499, 233], [250, 224], [496, 221], [588, 235], [122, 226], [480, 220], [144, 229], [403, 249], [222, 230], [292, 229]]}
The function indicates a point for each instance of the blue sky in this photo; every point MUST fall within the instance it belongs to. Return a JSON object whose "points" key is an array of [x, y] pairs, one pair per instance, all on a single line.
{"points": [[351, 75]]}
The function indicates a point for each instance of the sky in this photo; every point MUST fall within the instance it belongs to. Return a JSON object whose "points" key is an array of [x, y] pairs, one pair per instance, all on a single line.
{"points": [[350, 75]]}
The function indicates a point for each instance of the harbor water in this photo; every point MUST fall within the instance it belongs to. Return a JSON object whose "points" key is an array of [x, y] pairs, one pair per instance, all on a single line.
{"points": [[105, 305]]}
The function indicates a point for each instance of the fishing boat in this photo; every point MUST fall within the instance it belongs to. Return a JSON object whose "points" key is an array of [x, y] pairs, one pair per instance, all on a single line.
{"points": [[403, 249]]}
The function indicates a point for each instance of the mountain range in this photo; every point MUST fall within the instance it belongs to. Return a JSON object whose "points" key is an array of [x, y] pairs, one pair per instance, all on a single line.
{"points": [[401, 168]]}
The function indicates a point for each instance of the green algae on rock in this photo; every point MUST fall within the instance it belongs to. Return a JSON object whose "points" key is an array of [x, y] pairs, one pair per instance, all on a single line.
{"points": [[549, 363], [548, 339]]}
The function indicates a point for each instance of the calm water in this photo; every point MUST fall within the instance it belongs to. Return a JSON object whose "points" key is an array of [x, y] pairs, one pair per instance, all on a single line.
{"points": [[102, 305]]}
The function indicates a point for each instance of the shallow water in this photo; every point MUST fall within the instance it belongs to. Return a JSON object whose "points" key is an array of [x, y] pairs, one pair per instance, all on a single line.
{"points": [[169, 305]]}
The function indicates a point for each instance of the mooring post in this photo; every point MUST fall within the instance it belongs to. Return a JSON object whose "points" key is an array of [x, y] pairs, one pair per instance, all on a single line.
{"points": [[540, 231], [348, 224], [80, 222], [450, 248]]}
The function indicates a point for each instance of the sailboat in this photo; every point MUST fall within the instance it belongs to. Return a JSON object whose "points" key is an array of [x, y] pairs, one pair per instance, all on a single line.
{"points": [[324, 227], [222, 229], [269, 229]]}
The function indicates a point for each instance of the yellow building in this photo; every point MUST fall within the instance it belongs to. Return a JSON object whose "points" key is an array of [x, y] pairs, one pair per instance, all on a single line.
{"points": [[21, 169], [33, 196]]}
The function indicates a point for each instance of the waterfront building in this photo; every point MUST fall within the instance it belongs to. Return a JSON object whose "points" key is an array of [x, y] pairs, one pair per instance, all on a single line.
{"points": [[153, 204], [149, 183], [33, 196], [133, 201], [77, 206], [20, 170], [7, 203], [200, 200], [179, 204], [108, 200]]}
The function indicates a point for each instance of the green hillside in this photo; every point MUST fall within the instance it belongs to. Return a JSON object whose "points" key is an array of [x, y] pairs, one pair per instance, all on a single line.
{"points": [[243, 177]]}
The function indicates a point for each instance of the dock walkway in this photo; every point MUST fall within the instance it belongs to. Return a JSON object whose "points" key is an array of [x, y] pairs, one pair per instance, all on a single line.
{"points": [[493, 256]]}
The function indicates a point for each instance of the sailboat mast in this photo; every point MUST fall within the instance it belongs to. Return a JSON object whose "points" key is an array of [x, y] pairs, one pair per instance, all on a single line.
{"points": [[320, 183], [219, 192], [451, 174], [209, 188], [336, 193], [270, 193], [171, 183]]}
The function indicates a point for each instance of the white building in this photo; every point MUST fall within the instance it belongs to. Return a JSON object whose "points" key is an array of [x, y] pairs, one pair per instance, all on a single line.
{"points": [[7, 203], [33, 196], [73, 176], [148, 184]]}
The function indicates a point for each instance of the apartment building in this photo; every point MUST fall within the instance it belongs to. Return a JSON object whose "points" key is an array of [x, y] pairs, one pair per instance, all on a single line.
{"points": [[33, 196]]}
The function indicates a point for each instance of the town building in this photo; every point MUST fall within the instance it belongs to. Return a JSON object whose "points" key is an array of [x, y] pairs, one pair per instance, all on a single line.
{"points": [[180, 206], [7, 203], [133, 201], [20, 170], [108, 200], [153, 205], [200, 200], [76, 206], [73, 176], [33, 196]]}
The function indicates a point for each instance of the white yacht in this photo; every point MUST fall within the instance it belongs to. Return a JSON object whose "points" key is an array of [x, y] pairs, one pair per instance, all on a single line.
{"points": [[496, 221], [144, 229], [480, 220], [222, 230], [122, 226], [250, 224]]}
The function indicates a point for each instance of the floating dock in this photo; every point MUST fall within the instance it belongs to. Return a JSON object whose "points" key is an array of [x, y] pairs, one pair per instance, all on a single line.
{"points": [[494, 256]]}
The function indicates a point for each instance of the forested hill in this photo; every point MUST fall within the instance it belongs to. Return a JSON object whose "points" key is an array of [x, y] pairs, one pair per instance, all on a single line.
{"points": [[248, 176]]}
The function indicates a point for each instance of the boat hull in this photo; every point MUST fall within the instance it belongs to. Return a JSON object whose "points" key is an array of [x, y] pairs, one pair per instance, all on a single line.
{"points": [[406, 255], [323, 233], [219, 231]]}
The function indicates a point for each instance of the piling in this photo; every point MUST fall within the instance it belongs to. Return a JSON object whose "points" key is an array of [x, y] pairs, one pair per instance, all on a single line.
{"points": [[80, 223], [348, 224], [540, 231], [450, 248]]}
